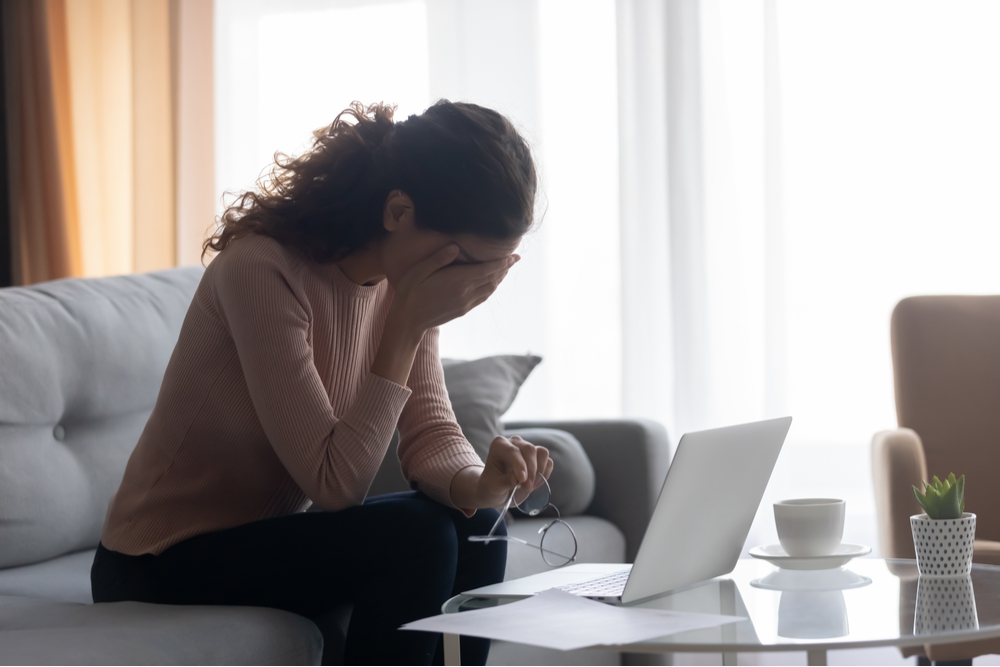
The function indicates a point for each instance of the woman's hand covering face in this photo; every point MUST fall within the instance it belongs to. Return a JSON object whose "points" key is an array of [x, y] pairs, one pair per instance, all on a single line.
{"points": [[435, 291]]}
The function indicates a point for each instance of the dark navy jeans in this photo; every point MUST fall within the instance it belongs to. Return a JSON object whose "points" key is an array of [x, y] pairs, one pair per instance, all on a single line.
{"points": [[396, 558]]}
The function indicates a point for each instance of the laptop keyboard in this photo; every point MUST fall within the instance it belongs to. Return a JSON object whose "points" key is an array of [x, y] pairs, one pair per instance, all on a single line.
{"points": [[608, 586]]}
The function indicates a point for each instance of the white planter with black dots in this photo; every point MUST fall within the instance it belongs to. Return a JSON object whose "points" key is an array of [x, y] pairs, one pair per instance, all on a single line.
{"points": [[944, 546]]}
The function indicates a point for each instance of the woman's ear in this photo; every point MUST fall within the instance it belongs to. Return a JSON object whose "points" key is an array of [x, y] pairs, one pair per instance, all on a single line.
{"points": [[397, 204]]}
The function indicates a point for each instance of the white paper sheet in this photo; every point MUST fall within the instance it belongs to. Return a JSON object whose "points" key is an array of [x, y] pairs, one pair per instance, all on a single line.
{"points": [[560, 620]]}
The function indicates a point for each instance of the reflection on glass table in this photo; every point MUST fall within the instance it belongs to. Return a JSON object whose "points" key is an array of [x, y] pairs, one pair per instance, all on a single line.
{"points": [[871, 602], [947, 603], [812, 615], [834, 579]]}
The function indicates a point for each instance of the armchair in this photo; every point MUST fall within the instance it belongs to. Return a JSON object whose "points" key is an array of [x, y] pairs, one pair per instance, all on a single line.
{"points": [[946, 367]]}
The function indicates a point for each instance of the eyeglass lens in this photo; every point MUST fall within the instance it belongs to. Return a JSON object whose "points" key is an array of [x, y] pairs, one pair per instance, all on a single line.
{"points": [[558, 544], [531, 501]]}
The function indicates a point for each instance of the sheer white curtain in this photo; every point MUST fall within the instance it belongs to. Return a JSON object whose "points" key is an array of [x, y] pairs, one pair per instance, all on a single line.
{"points": [[550, 66], [826, 160], [735, 193]]}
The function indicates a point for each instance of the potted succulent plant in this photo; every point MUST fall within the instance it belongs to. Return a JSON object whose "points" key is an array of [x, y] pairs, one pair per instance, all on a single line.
{"points": [[944, 535]]}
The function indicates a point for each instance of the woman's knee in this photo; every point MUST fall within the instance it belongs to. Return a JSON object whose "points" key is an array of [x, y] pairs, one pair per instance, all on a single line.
{"points": [[491, 555], [483, 521], [481, 563], [424, 525]]}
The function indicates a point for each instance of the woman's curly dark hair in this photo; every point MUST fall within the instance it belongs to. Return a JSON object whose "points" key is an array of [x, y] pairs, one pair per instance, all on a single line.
{"points": [[465, 167]]}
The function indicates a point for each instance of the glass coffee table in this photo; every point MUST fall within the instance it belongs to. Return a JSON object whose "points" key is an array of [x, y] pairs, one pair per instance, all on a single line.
{"points": [[869, 602]]}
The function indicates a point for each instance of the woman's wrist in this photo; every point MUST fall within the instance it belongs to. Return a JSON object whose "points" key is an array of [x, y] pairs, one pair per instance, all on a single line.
{"points": [[464, 491], [398, 324]]}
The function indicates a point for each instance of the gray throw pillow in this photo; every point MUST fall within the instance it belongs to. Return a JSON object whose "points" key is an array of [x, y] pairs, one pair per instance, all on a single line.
{"points": [[482, 390]]}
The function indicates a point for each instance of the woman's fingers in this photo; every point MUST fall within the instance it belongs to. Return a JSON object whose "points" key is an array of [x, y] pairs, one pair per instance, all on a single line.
{"points": [[544, 463], [534, 457], [506, 459], [478, 296], [478, 272], [531, 463], [437, 260], [516, 456], [487, 273], [515, 462], [485, 290], [495, 277]]}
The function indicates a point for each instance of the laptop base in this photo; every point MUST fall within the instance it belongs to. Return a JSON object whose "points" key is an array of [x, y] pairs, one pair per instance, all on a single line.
{"points": [[579, 573]]}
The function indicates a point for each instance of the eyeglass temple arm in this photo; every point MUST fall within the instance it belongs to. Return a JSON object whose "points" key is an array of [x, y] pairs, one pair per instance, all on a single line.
{"points": [[503, 512]]}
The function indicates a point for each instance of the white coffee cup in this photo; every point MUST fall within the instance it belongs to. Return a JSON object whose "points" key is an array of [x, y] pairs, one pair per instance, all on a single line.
{"points": [[809, 526]]}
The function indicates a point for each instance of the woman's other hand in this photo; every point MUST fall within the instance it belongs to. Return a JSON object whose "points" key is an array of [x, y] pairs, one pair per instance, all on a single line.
{"points": [[436, 291], [509, 463]]}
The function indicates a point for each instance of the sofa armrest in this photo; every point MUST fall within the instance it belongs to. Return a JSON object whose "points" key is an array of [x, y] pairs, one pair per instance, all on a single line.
{"points": [[630, 459], [897, 463]]}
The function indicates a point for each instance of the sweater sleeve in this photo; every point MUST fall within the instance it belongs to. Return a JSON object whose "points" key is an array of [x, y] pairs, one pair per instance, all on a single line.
{"points": [[432, 447], [332, 459]]}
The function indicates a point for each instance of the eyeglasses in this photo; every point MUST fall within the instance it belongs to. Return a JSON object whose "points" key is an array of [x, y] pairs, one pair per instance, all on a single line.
{"points": [[558, 542]]}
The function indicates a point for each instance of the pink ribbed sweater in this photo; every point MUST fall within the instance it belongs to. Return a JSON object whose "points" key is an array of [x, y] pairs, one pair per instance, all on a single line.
{"points": [[268, 403]]}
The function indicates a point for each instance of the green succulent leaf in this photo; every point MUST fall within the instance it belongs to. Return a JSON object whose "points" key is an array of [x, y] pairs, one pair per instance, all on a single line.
{"points": [[961, 495], [950, 505], [943, 500]]}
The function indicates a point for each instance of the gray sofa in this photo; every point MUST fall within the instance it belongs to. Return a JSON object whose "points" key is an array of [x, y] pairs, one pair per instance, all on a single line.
{"points": [[80, 366]]}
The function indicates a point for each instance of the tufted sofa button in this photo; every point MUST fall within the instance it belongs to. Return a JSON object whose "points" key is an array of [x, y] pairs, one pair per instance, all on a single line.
{"points": [[59, 433]]}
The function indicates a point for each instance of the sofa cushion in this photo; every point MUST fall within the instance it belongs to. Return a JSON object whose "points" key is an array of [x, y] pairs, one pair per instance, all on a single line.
{"points": [[62, 579], [82, 362], [40, 632], [598, 540]]}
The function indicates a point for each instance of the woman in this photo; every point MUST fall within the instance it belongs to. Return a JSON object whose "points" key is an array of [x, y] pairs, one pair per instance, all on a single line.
{"points": [[311, 337]]}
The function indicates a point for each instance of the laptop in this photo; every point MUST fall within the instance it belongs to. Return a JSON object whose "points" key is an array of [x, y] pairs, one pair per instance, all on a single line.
{"points": [[701, 520]]}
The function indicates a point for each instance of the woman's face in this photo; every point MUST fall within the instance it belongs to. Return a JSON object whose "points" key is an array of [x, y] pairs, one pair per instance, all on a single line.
{"points": [[406, 244]]}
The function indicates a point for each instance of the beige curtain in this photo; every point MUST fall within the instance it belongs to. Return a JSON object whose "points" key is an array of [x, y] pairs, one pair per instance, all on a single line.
{"points": [[45, 231], [119, 63], [194, 87], [106, 115]]}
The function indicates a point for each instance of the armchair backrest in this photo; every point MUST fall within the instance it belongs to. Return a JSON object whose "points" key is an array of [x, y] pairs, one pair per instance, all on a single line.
{"points": [[946, 364]]}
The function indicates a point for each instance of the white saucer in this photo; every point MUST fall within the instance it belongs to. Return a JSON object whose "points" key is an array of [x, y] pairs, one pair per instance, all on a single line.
{"points": [[835, 579], [775, 555]]}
